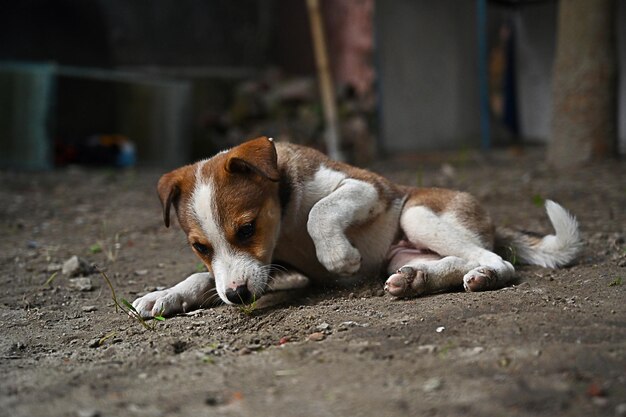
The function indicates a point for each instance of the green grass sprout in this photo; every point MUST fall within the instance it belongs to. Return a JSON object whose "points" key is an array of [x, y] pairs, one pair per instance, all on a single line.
{"points": [[49, 280], [106, 337], [127, 307], [95, 248], [538, 200], [248, 309]]}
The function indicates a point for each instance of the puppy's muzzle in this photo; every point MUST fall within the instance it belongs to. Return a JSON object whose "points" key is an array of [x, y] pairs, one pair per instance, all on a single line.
{"points": [[239, 295]]}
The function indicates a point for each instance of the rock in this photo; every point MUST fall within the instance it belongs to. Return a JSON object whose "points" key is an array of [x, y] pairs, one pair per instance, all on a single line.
{"points": [[440, 329], [323, 326], [32, 244], [432, 384], [94, 343], [89, 309], [316, 337], [88, 413], [141, 272], [76, 266], [81, 284], [345, 325], [214, 399], [427, 348], [620, 410], [254, 347], [54, 268]]}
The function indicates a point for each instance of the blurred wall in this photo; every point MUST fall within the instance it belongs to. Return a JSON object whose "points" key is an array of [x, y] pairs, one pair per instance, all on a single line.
{"points": [[428, 80], [535, 29], [427, 64]]}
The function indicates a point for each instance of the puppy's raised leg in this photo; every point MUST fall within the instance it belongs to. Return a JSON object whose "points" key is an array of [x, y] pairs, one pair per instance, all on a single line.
{"points": [[192, 293], [353, 201]]}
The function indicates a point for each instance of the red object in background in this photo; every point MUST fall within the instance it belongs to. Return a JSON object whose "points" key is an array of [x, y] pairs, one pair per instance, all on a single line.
{"points": [[97, 150]]}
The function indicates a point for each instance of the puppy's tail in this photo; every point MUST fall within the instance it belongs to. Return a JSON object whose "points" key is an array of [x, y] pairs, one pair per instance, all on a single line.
{"points": [[550, 251]]}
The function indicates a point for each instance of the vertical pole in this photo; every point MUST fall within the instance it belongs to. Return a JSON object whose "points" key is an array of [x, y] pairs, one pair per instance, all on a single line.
{"points": [[483, 81], [325, 81]]}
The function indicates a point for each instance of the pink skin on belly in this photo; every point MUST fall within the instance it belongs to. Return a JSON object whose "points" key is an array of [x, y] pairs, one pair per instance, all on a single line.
{"points": [[406, 281], [404, 252]]}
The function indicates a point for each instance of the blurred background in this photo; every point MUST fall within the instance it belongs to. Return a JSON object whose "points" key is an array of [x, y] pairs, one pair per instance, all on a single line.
{"points": [[164, 82]]}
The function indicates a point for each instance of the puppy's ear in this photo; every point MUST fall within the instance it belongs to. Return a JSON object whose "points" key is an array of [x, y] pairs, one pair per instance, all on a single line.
{"points": [[169, 188], [257, 156]]}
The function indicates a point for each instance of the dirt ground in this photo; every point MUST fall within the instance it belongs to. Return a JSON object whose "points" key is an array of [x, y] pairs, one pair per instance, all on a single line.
{"points": [[553, 344]]}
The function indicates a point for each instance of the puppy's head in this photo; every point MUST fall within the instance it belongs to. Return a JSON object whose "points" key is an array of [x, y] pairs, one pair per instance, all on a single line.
{"points": [[229, 208]]}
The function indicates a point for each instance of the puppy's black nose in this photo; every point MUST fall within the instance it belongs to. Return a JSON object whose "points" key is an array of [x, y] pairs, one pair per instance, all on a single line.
{"points": [[240, 295]]}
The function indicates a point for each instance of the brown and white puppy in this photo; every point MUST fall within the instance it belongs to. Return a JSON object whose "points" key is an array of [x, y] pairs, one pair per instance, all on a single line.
{"points": [[263, 204]]}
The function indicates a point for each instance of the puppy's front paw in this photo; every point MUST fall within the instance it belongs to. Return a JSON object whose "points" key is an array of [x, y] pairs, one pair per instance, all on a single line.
{"points": [[340, 259], [160, 303]]}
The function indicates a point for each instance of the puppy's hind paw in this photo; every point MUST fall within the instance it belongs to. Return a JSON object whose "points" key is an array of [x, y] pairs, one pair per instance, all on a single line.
{"points": [[480, 279], [407, 281]]}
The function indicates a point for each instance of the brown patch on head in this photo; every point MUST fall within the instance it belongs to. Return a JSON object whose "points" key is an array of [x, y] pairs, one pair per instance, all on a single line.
{"points": [[246, 198], [257, 156]]}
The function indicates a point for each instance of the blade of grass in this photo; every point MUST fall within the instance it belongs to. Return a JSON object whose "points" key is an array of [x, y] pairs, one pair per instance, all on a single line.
{"points": [[125, 305]]}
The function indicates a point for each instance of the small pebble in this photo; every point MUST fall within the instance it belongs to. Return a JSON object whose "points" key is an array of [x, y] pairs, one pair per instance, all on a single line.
{"points": [[54, 268], [427, 348], [88, 413], [81, 284], [88, 309], [323, 326], [254, 346], [94, 343], [440, 329], [432, 384], [141, 272], [316, 337], [76, 266]]}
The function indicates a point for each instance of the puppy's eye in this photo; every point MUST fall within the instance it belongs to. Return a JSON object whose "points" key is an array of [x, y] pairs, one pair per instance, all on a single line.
{"points": [[201, 248], [245, 232]]}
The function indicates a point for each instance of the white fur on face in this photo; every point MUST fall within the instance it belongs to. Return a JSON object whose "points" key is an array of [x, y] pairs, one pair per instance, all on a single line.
{"points": [[231, 267]]}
